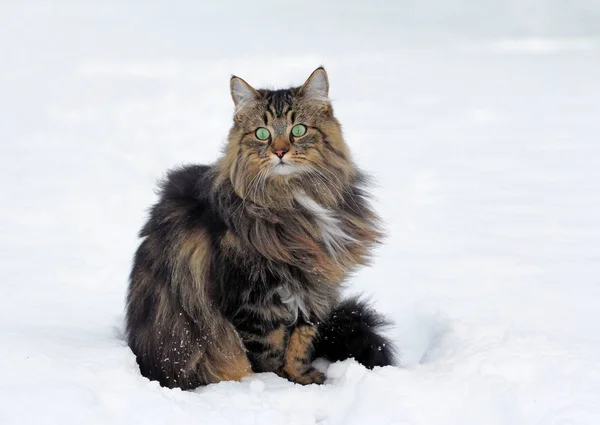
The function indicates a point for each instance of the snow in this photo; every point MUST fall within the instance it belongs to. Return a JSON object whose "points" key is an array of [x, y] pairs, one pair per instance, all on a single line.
{"points": [[479, 122]]}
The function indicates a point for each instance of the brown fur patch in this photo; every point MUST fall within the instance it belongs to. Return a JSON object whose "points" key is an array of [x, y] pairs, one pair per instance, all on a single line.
{"points": [[223, 359], [233, 367], [277, 338], [297, 357], [192, 254], [229, 241], [195, 247]]}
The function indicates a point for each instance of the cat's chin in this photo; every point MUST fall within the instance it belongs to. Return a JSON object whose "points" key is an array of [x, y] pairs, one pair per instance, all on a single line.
{"points": [[284, 169]]}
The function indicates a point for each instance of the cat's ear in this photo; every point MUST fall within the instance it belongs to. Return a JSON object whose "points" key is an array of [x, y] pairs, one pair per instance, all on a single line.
{"points": [[317, 85], [241, 92]]}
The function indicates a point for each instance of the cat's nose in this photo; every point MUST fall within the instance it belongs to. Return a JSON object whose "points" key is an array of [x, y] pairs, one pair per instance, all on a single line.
{"points": [[280, 152], [280, 147]]}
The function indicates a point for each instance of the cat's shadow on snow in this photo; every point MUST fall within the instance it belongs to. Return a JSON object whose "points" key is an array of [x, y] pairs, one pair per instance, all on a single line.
{"points": [[118, 330], [419, 338]]}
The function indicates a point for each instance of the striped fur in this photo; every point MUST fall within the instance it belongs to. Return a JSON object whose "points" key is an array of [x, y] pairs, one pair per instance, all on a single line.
{"points": [[241, 265]]}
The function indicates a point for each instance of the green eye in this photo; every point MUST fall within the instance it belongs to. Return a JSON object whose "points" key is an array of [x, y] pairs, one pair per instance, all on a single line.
{"points": [[299, 130], [262, 133]]}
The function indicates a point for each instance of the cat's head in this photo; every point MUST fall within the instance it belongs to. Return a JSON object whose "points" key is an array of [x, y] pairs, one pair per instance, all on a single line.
{"points": [[283, 140]]}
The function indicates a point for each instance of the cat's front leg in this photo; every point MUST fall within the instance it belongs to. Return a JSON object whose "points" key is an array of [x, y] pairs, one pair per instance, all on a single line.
{"points": [[266, 347], [297, 364]]}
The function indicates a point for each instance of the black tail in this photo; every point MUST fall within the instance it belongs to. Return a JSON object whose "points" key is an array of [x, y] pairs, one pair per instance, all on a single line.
{"points": [[352, 331]]}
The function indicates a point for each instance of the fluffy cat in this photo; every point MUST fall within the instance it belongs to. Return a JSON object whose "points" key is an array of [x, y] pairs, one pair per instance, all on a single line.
{"points": [[242, 262]]}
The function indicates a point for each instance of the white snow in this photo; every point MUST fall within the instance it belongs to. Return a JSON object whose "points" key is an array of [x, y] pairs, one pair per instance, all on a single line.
{"points": [[479, 120]]}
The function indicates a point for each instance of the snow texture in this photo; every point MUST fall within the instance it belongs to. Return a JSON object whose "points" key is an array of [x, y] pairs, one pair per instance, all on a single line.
{"points": [[480, 122]]}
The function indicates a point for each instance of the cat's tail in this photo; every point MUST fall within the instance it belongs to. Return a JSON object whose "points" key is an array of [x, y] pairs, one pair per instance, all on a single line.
{"points": [[353, 329]]}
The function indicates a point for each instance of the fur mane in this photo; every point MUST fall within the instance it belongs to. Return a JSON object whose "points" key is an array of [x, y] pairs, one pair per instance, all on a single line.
{"points": [[292, 233]]}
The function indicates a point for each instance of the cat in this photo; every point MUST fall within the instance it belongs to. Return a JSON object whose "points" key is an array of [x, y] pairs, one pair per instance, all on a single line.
{"points": [[242, 262]]}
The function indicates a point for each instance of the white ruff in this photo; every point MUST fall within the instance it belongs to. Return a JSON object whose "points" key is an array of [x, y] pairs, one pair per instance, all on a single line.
{"points": [[284, 169], [333, 236], [280, 168], [294, 303]]}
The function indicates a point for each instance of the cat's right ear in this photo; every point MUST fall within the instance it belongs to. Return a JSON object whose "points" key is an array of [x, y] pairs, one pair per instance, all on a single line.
{"points": [[241, 92]]}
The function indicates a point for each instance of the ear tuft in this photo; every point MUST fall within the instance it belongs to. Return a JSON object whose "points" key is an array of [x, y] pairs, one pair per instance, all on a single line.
{"points": [[317, 85], [241, 91]]}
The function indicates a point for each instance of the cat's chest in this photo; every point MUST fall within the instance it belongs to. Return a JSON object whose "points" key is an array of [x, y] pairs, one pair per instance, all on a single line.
{"points": [[330, 228], [294, 302], [307, 304]]}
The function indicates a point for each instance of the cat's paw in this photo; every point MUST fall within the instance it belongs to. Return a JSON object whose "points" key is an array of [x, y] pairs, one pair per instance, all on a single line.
{"points": [[310, 376]]}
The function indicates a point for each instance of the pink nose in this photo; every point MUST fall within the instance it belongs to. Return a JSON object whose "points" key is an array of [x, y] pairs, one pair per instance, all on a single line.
{"points": [[280, 152]]}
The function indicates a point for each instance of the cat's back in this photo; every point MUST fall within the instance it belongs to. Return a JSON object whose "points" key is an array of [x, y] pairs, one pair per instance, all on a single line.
{"points": [[186, 182], [178, 231], [169, 312], [184, 204]]}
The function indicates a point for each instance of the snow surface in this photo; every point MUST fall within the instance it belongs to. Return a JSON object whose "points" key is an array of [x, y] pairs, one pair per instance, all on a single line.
{"points": [[479, 120]]}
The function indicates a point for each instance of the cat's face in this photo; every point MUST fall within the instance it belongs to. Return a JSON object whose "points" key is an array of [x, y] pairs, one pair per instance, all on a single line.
{"points": [[281, 136]]}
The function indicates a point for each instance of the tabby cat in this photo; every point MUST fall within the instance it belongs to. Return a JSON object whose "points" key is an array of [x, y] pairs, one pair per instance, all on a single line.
{"points": [[242, 262]]}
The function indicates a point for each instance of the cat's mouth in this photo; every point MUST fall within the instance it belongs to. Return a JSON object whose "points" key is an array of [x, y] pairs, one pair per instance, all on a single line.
{"points": [[283, 168]]}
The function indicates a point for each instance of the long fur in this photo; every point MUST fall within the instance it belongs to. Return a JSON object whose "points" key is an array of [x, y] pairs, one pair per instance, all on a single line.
{"points": [[352, 330], [240, 268]]}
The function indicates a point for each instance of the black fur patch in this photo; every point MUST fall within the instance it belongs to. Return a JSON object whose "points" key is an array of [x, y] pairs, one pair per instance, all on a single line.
{"points": [[352, 331]]}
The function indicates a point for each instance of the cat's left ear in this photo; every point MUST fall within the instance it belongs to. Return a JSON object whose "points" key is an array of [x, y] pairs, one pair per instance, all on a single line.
{"points": [[241, 92], [317, 85]]}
